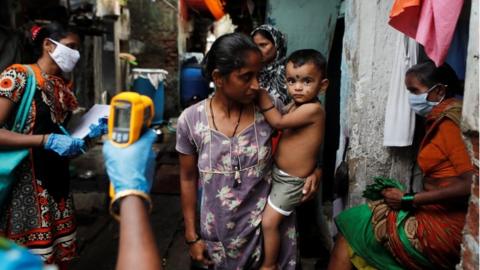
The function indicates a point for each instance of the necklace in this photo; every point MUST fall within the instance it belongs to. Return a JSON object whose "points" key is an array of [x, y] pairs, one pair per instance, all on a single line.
{"points": [[213, 118]]}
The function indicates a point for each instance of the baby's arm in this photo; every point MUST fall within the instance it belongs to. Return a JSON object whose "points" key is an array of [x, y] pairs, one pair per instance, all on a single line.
{"points": [[303, 115]]}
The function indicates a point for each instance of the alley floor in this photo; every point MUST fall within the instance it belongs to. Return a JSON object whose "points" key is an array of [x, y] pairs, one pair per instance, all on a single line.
{"points": [[98, 232]]}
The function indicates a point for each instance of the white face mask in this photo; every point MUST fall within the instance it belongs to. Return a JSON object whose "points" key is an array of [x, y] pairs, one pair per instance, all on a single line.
{"points": [[420, 104], [65, 57]]}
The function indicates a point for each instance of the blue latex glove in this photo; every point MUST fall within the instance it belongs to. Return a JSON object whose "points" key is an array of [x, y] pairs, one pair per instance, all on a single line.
{"points": [[97, 130], [132, 167], [13, 257], [64, 145]]}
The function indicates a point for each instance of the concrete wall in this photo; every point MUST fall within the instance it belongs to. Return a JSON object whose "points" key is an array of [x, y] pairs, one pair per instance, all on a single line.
{"points": [[154, 34], [307, 23], [470, 259], [368, 55]]}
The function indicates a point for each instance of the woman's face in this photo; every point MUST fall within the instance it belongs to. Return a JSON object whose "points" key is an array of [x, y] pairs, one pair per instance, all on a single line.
{"points": [[64, 52], [267, 48], [414, 86], [241, 85], [71, 40]]}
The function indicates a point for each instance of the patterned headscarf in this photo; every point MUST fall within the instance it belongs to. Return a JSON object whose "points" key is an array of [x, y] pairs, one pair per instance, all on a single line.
{"points": [[272, 76]]}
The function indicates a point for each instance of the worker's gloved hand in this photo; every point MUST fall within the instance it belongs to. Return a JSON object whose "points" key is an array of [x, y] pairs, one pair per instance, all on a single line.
{"points": [[97, 130], [131, 168], [64, 145]]}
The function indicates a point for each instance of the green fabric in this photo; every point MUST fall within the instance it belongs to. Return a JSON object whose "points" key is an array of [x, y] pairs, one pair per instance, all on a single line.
{"points": [[355, 225], [373, 191], [417, 256]]}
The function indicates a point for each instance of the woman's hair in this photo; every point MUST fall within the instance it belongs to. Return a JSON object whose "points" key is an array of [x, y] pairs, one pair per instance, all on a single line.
{"points": [[227, 54], [264, 33], [53, 30], [429, 75]]}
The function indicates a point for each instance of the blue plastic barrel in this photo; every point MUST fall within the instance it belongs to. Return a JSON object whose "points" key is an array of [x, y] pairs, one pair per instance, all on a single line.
{"points": [[193, 86], [143, 86]]}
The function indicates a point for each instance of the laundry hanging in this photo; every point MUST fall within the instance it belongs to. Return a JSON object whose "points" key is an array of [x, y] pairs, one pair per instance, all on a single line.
{"points": [[399, 118], [430, 22]]}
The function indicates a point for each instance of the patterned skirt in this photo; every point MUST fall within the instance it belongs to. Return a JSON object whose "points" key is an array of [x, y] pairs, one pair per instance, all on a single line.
{"points": [[34, 219], [428, 237]]}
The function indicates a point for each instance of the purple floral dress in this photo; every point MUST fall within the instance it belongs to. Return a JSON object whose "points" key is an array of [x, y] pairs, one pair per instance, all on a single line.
{"points": [[235, 179]]}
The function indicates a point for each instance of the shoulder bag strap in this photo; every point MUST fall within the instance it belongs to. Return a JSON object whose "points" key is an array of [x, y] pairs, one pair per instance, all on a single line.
{"points": [[26, 102]]}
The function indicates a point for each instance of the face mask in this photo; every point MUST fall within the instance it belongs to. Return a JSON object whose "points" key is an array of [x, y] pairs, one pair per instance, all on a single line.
{"points": [[420, 104], [65, 57]]}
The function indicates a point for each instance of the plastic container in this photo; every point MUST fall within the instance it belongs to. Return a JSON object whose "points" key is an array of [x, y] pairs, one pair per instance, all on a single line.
{"points": [[150, 82], [193, 86]]}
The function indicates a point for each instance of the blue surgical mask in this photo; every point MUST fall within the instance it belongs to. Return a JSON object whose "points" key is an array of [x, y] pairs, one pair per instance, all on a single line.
{"points": [[420, 104]]}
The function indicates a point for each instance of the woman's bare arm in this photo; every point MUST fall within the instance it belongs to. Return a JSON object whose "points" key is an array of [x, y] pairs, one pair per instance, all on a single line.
{"points": [[457, 190], [9, 139]]}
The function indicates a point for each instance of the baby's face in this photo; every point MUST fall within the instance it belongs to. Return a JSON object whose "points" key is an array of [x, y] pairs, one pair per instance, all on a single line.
{"points": [[304, 82]]}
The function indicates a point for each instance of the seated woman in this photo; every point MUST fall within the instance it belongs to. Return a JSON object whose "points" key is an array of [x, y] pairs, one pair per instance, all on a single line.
{"points": [[422, 230]]}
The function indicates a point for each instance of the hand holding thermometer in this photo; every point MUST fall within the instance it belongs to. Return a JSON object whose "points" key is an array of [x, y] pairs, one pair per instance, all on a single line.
{"points": [[130, 115]]}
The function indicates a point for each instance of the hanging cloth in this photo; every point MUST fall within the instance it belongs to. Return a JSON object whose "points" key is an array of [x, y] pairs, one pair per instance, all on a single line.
{"points": [[430, 22], [457, 53], [399, 117]]}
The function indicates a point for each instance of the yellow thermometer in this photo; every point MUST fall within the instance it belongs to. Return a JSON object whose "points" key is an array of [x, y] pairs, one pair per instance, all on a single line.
{"points": [[130, 114]]}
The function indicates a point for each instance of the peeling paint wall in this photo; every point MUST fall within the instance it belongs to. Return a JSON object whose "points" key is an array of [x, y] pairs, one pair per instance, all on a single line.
{"points": [[368, 52], [470, 128]]}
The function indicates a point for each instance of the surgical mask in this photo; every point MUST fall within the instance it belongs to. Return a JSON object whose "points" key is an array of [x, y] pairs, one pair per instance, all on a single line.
{"points": [[65, 57], [420, 104]]}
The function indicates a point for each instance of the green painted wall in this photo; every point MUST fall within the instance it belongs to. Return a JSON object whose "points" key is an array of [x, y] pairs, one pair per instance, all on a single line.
{"points": [[307, 23]]}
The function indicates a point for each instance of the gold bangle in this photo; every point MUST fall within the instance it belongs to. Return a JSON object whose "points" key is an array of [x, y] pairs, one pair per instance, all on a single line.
{"points": [[115, 204]]}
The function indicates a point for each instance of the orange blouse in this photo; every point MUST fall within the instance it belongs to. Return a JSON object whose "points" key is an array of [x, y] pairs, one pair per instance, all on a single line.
{"points": [[445, 155]]}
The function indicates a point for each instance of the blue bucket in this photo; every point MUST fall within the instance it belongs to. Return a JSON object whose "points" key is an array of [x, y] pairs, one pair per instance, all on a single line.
{"points": [[145, 87], [193, 86]]}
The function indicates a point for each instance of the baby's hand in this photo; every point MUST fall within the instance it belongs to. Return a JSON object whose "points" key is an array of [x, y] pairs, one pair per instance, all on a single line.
{"points": [[263, 99]]}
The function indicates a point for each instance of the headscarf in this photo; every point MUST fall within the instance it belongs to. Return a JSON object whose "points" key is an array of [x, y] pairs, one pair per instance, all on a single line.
{"points": [[272, 76]]}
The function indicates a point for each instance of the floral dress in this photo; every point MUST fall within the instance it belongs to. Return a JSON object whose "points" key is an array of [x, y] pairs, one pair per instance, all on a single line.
{"points": [[234, 180], [40, 212]]}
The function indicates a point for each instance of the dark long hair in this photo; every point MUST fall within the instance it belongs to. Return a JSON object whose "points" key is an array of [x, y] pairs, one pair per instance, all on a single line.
{"points": [[53, 30], [227, 54], [429, 75]]}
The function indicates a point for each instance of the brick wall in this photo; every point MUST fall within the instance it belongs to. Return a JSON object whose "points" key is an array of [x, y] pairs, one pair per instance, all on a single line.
{"points": [[154, 23]]}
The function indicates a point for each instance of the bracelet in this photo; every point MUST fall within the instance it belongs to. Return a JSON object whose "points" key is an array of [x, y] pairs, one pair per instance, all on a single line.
{"points": [[407, 201], [43, 140], [267, 109], [191, 242], [115, 205]]}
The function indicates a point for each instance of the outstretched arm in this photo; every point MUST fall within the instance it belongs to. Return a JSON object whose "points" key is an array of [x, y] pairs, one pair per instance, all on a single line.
{"points": [[131, 172], [136, 235], [303, 115]]}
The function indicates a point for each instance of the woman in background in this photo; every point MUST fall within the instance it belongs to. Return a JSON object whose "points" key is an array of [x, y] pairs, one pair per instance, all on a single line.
{"points": [[422, 230], [273, 45]]}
